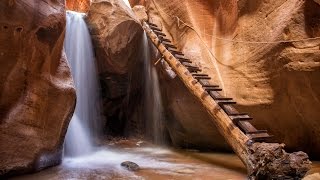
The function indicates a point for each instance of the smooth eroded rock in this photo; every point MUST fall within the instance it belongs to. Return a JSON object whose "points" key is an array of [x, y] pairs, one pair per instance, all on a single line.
{"points": [[116, 35], [243, 46], [37, 96]]}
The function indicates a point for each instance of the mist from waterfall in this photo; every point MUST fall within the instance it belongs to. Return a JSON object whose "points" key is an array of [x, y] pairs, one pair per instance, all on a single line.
{"points": [[154, 113], [84, 126]]}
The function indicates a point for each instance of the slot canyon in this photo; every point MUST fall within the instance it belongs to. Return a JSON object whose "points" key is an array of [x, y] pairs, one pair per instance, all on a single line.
{"points": [[160, 89]]}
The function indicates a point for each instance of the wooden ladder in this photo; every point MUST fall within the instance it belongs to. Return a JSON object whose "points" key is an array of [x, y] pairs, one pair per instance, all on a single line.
{"points": [[241, 120]]}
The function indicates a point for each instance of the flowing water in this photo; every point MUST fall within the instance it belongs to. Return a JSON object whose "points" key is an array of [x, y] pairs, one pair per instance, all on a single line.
{"points": [[156, 163], [153, 101], [127, 3], [84, 125]]}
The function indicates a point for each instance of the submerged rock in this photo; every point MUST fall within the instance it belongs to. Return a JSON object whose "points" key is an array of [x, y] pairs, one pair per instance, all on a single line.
{"points": [[131, 166], [37, 96]]}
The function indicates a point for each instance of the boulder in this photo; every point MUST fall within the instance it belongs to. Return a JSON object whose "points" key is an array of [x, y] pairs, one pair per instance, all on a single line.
{"points": [[254, 51], [116, 35], [37, 96], [131, 166]]}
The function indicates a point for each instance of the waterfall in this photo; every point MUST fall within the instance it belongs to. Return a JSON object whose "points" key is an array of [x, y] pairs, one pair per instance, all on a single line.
{"points": [[84, 125], [153, 101], [127, 3]]}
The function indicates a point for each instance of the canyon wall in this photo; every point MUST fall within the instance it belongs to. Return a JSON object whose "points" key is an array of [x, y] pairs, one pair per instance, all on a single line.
{"points": [[250, 49], [117, 42], [37, 96], [78, 5]]}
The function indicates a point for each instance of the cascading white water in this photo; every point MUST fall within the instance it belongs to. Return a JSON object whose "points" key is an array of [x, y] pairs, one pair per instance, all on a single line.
{"points": [[127, 3], [153, 101], [84, 125]]}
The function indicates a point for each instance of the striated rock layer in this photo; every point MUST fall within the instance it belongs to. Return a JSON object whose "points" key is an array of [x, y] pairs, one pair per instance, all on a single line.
{"points": [[78, 5], [37, 96], [246, 47], [116, 38]]}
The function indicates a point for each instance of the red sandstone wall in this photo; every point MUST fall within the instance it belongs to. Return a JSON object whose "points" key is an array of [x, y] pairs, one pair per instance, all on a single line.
{"points": [[276, 83], [78, 5]]}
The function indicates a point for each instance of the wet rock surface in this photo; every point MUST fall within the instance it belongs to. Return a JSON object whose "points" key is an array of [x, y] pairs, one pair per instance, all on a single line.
{"points": [[131, 166], [37, 95]]}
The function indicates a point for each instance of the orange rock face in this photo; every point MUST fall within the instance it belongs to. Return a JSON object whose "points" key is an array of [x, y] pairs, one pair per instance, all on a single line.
{"points": [[37, 96], [242, 45], [137, 2], [116, 37], [78, 5]]}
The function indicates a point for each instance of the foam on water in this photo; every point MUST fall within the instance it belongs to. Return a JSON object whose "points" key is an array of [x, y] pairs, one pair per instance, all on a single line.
{"points": [[111, 159]]}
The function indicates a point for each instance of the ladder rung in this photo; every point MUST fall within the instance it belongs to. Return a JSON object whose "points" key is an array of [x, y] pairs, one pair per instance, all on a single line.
{"points": [[225, 99], [171, 47], [230, 110], [194, 69], [184, 60], [222, 102], [152, 24], [176, 52], [159, 33], [210, 88], [259, 136], [218, 96], [186, 64], [204, 82], [162, 39], [238, 118], [258, 132], [166, 43], [202, 77], [246, 127], [196, 74], [207, 86], [190, 66], [178, 56], [154, 28]]}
